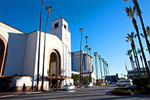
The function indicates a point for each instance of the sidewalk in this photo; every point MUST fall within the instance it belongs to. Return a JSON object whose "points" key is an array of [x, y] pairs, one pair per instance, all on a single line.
{"points": [[5, 94]]}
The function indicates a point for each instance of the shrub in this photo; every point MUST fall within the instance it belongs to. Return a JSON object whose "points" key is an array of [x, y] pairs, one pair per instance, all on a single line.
{"points": [[145, 91], [121, 91]]}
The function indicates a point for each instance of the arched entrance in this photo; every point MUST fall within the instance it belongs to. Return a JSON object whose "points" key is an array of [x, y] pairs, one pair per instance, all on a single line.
{"points": [[3, 51], [54, 69]]}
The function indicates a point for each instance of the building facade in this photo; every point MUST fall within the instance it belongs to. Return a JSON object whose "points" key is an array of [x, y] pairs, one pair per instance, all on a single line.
{"points": [[112, 78], [132, 73], [21, 61], [86, 62]]}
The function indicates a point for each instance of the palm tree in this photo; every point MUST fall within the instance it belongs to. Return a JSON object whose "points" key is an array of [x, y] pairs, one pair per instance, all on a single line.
{"points": [[129, 53], [86, 47], [130, 38], [131, 14], [48, 8], [86, 37], [39, 48], [103, 65], [90, 49], [139, 52], [95, 54], [106, 68], [143, 27], [100, 65], [148, 31], [81, 29]]}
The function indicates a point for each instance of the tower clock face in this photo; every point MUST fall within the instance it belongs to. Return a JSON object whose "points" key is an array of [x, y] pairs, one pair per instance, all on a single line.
{"points": [[66, 37]]}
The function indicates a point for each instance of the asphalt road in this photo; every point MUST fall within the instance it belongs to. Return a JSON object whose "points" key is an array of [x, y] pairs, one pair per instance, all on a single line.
{"points": [[95, 93]]}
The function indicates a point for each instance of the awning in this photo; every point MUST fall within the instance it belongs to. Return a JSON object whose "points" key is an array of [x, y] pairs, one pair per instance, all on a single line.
{"points": [[6, 77]]}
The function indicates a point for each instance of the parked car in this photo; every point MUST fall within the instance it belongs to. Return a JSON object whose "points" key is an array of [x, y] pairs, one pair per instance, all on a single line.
{"points": [[124, 82], [89, 85], [69, 87]]}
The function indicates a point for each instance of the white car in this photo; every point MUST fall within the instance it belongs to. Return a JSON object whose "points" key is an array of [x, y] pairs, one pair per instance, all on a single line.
{"points": [[124, 82], [89, 85], [69, 87]]}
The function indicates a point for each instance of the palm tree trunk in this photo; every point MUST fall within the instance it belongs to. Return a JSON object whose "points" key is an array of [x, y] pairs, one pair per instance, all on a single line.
{"points": [[104, 69], [44, 51], [96, 66], [142, 65], [145, 61], [39, 47], [135, 56], [141, 19], [80, 58], [137, 63], [100, 67], [132, 64]]}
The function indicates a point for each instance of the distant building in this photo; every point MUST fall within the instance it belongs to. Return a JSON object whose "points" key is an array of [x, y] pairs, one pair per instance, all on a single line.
{"points": [[86, 62], [112, 78], [131, 72]]}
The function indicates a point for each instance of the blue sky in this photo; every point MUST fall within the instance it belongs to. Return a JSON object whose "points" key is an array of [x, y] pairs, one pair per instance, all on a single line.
{"points": [[104, 22]]}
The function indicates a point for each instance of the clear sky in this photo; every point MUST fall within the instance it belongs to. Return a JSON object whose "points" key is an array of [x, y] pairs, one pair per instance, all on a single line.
{"points": [[104, 22]]}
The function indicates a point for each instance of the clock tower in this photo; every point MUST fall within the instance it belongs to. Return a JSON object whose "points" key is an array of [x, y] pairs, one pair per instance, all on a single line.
{"points": [[60, 29]]}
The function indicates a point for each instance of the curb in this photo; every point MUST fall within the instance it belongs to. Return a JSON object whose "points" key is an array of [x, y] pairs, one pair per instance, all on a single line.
{"points": [[120, 94], [19, 94]]}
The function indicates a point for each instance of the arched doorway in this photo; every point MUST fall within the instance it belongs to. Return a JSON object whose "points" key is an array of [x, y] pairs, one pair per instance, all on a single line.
{"points": [[3, 51], [54, 64], [54, 69]]}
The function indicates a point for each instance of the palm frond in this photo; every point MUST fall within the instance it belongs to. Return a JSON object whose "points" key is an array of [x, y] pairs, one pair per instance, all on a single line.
{"points": [[142, 35], [125, 0], [81, 29]]}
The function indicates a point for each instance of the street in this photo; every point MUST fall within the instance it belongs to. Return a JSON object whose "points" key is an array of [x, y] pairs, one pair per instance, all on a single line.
{"points": [[95, 93]]}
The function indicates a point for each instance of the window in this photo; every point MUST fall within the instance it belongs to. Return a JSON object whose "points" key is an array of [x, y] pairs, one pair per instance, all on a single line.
{"points": [[56, 25], [65, 26]]}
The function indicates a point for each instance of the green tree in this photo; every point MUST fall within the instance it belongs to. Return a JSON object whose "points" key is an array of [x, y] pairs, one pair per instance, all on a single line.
{"points": [[131, 14], [75, 77], [85, 79]]}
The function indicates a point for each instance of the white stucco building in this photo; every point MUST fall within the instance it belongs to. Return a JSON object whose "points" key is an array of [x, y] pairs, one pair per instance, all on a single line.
{"points": [[19, 56]]}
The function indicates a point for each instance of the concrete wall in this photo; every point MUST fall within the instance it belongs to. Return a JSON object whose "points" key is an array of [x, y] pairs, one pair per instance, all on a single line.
{"points": [[30, 52], [16, 49]]}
